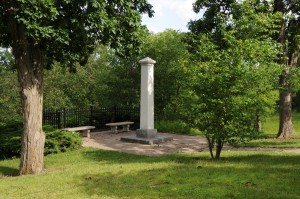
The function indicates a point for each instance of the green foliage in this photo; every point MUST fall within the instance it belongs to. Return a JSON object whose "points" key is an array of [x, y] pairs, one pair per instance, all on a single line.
{"points": [[170, 53], [234, 77], [57, 141], [10, 144], [103, 81], [6, 60], [10, 105], [177, 127], [68, 32], [60, 141], [63, 89]]}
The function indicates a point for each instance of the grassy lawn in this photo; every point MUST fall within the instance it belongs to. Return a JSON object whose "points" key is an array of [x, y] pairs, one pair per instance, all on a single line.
{"points": [[91, 173], [270, 128], [271, 124]]}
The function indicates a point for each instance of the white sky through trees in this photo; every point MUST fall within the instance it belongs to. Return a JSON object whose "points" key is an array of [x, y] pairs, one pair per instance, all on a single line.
{"points": [[174, 14]]}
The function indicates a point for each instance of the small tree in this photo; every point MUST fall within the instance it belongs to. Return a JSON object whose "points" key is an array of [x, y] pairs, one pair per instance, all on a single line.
{"points": [[233, 79], [41, 32]]}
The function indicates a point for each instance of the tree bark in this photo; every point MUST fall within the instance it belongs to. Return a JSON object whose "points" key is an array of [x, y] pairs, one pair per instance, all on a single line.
{"points": [[286, 129], [29, 61], [285, 100], [258, 126], [219, 148], [210, 146]]}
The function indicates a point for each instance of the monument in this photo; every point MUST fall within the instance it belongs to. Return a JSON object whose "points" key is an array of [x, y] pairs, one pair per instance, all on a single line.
{"points": [[146, 134]]}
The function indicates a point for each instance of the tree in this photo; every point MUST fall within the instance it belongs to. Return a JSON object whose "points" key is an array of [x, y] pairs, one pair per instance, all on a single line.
{"points": [[41, 32], [233, 75], [170, 53], [289, 37]]}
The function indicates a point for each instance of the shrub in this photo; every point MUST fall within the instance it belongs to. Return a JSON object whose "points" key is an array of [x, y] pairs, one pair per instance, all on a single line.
{"points": [[60, 141], [10, 144], [57, 141], [177, 127]]}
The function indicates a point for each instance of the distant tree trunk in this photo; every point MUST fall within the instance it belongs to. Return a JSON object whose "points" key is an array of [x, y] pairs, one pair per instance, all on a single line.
{"points": [[29, 62], [285, 101], [258, 122]]}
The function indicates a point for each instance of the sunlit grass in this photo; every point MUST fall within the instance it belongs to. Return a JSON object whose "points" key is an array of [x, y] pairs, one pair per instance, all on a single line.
{"points": [[91, 173], [271, 124], [270, 129]]}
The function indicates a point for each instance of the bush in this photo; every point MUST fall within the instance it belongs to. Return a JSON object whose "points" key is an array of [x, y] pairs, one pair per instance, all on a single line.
{"points": [[177, 127], [10, 144], [60, 141], [57, 141]]}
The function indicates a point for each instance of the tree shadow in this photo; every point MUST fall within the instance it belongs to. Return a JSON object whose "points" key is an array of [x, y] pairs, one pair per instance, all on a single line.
{"points": [[8, 171], [259, 158], [195, 174], [247, 157], [120, 157]]}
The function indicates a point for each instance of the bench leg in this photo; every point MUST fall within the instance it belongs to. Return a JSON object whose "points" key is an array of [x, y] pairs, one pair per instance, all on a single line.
{"points": [[86, 133], [114, 129], [126, 127]]}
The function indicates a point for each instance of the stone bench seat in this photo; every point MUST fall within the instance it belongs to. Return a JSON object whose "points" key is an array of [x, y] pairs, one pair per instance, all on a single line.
{"points": [[114, 126], [84, 130]]}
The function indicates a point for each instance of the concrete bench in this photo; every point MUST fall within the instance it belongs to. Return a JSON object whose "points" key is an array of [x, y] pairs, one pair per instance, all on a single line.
{"points": [[84, 130], [114, 126]]}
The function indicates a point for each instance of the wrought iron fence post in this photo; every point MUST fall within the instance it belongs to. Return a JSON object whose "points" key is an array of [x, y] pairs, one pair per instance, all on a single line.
{"points": [[65, 118], [92, 115], [115, 112], [58, 115]]}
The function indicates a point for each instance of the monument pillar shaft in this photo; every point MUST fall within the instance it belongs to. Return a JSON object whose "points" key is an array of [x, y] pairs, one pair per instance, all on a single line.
{"points": [[147, 134], [147, 97]]}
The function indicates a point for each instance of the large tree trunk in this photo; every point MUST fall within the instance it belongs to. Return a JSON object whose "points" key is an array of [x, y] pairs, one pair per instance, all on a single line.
{"points": [[29, 62], [286, 129], [285, 101]]}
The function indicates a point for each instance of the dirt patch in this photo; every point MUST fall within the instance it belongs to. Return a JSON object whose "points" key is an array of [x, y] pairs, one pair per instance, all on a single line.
{"points": [[111, 141], [181, 143]]}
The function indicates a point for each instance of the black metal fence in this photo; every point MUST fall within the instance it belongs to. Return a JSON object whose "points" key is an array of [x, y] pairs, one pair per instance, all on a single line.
{"points": [[98, 117]]}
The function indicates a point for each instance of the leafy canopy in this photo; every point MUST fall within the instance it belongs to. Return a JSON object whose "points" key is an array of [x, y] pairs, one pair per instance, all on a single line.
{"points": [[234, 71], [68, 31]]}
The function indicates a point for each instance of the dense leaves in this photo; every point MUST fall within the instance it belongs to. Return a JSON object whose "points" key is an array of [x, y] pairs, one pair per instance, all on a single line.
{"points": [[68, 31], [234, 77]]}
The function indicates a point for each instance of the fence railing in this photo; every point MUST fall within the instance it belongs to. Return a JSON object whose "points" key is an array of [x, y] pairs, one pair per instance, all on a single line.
{"points": [[62, 118]]}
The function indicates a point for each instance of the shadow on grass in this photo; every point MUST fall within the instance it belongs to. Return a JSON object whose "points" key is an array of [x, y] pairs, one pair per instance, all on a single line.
{"points": [[120, 157], [8, 171], [273, 143], [247, 157], [236, 175]]}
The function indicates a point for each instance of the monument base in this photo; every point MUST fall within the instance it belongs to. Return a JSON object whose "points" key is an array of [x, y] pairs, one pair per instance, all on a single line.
{"points": [[147, 136], [146, 133]]}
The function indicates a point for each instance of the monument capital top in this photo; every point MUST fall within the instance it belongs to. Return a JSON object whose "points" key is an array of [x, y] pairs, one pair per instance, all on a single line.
{"points": [[147, 60]]}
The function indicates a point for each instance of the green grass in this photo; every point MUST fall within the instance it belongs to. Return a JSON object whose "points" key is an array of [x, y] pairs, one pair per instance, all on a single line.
{"points": [[270, 129], [271, 124], [91, 173], [177, 127]]}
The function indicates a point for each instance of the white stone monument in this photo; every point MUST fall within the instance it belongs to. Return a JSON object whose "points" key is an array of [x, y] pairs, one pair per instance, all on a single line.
{"points": [[147, 99], [147, 134]]}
